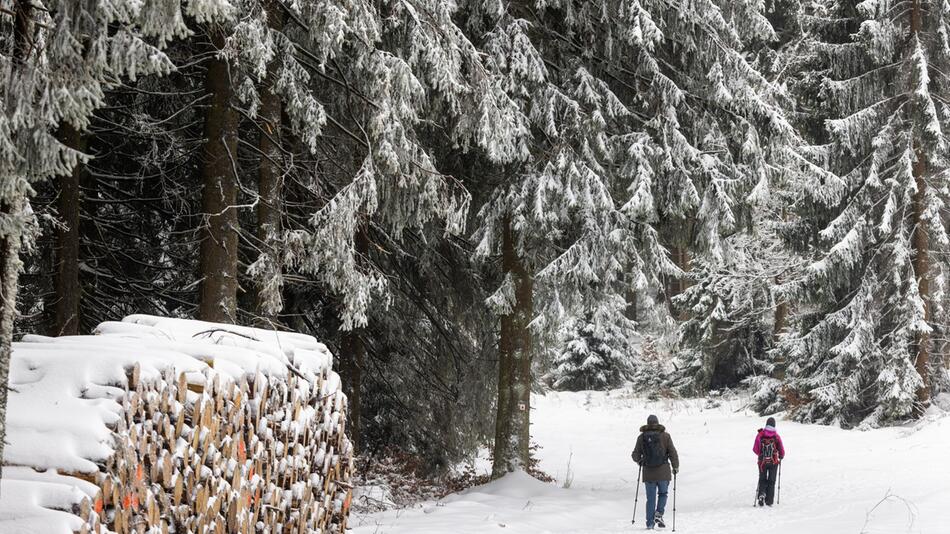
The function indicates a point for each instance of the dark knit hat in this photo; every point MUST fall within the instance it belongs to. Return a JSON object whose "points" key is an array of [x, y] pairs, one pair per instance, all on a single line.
{"points": [[653, 420], [770, 422]]}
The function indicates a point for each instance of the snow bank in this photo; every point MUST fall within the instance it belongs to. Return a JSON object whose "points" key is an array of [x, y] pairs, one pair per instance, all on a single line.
{"points": [[517, 485], [97, 423]]}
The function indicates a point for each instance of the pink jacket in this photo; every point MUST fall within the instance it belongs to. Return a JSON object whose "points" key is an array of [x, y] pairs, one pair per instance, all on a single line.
{"points": [[768, 432]]}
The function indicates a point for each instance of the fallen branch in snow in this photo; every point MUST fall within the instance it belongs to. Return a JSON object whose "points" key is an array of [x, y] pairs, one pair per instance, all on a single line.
{"points": [[888, 496]]}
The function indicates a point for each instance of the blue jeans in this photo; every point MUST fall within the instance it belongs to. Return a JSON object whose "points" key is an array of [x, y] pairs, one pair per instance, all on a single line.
{"points": [[654, 505]]}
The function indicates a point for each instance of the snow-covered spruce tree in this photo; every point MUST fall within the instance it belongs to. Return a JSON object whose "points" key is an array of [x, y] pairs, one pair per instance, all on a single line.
{"points": [[139, 207], [251, 65], [396, 72], [731, 314], [550, 213], [648, 121], [594, 356], [268, 49], [56, 59], [154, 127], [431, 354], [861, 352], [396, 80]]}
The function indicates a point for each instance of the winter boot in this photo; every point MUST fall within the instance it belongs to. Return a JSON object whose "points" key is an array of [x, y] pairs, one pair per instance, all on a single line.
{"points": [[658, 519], [761, 499]]}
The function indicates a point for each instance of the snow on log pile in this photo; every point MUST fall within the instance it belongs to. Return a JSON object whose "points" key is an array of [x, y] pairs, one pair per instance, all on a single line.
{"points": [[167, 425]]}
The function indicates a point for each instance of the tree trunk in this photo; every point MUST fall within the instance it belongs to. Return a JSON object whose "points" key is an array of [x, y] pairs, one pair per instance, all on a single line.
{"points": [[268, 174], [66, 279], [500, 452], [219, 232], [632, 303], [22, 31], [685, 265], [780, 316], [675, 286], [921, 247], [671, 284], [10, 208], [515, 345], [515, 350], [778, 325], [352, 357], [9, 273]]}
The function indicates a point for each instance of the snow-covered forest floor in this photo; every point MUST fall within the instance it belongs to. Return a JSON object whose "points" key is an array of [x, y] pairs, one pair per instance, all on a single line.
{"points": [[891, 480]]}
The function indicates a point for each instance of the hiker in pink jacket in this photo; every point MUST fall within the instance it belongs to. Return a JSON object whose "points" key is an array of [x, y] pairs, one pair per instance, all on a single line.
{"points": [[770, 452]]}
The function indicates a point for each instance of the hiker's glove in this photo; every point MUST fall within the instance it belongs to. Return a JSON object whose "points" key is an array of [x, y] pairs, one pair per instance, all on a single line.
{"points": [[676, 470]]}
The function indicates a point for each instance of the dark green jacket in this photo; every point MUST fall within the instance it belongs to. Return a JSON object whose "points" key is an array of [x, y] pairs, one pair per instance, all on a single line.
{"points": [[660, 472]]}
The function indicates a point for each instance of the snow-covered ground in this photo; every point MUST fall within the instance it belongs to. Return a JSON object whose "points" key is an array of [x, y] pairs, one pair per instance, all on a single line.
{"points": [[894, 480]]}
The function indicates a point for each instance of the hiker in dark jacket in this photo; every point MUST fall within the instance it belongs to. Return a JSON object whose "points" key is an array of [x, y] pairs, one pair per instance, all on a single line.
{"points": [[770, 451], [655, 453]]}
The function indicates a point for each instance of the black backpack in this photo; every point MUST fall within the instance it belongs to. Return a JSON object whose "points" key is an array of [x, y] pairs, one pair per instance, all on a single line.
{"points": [[768, 454], [654, 455]]}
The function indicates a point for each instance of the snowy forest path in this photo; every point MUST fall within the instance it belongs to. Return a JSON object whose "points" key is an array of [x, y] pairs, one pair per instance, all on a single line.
{"points": [[833, 480]]}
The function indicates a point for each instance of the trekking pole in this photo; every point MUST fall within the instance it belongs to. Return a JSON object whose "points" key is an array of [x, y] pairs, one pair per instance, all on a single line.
{"points": [[674, 502], [778, 499], [636, 499]]}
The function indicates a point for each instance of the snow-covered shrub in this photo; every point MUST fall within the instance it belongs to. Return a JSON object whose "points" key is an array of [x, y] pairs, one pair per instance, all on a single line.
{"points": [[652, 367], [767, 394]]}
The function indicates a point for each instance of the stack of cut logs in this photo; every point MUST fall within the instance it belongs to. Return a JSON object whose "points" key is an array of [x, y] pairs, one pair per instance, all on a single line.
{"points": [[265, 454]]}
